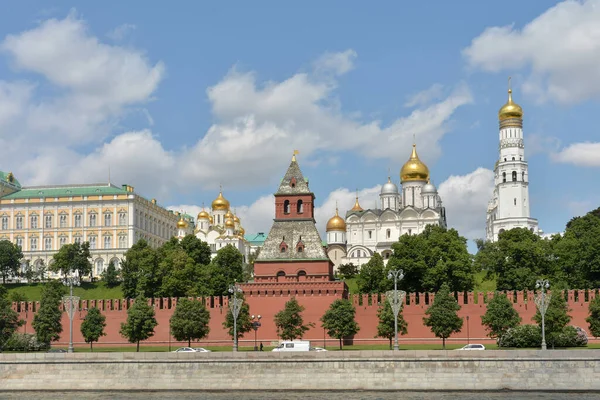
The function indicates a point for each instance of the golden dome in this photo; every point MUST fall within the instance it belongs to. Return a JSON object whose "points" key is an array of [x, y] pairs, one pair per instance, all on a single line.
{"points": [[220, 203], [229, 214], [510, 109], [203, 215], [242, 231], [182, 223], [336, 223], [357, 206], [210, 219], [229, 223], [414, 169], [236, 219]]}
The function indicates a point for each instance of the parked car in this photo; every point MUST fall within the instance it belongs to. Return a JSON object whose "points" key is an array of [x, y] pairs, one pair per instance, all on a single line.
{"points": [[293, 345], [201, 350], [57, 351], [184, 350], [473, 347], [317, 349]]}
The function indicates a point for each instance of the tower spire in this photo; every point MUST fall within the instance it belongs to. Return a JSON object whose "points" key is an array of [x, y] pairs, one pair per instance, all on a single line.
{"points": [[294, 155]]}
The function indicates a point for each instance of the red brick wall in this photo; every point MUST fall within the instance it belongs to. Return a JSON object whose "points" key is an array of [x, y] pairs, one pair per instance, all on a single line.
{"points": [[307, 206], [269, 298], [321, 270]]}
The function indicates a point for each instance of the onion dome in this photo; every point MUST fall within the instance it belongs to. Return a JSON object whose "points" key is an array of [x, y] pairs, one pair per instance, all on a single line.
{"points": [[336, 223], [242, 231], [510, 109], [182, 223], [229, 214], [357, 206], [203, 215], [414, 169], [210, 219], [389, 187], [236, 219], [429, 188], [220, 203], [229, 223]]}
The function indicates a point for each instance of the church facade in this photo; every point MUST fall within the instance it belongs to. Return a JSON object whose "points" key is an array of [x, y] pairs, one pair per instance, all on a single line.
{"points": [[362, 233], [509, 205]]}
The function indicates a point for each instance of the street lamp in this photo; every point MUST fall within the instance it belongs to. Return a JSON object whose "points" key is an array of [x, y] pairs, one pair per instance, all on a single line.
{"points": [[468, 336], [542, 300], [255, 326], [71, 304], [396, 297], [236, 306]]}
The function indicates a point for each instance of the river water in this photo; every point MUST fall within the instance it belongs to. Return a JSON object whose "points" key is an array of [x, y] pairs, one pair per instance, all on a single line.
{"points": [[295, 395]]}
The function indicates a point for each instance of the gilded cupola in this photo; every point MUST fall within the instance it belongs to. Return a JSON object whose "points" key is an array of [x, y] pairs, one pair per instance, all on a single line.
{"points": [[336, 223], [414, 169], [182, 223], [220, 203], [357, 206], [510, 114], [229, 223]]}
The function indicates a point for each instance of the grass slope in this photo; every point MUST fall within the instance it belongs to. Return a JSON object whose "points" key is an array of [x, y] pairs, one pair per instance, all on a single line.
{"points": [[87, 291]]}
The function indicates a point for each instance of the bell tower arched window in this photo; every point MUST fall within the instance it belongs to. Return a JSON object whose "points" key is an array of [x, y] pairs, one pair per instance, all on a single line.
{"points": [[286, 207], [299, 207], [514, 176], [504, 177]]}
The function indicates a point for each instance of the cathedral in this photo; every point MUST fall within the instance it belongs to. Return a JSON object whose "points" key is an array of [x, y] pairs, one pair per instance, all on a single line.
{"points": [[218, 228], [509, 206], [362, 233]]}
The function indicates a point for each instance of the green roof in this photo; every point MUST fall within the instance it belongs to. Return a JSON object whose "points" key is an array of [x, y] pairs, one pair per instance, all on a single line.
{"points": [[66, 190], [256, 238], [4, 177]]}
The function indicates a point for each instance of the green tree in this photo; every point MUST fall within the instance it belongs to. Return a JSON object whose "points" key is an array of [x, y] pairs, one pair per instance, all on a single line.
{"points": [[594, 318], [47, 321], [435, 256], [72, 258], [139, 271], [227, 268], [500, 316], [41, 271], [17, 296], [190, 321], [92, 327], [9, 319], [372, 278], [348, 271], [179, 273], [339, 321], [140, 322], [10, 259], [111, 276], [244, 322], [443, 319], [386, 328], [198, 250], [556, 318], [289, 321]]}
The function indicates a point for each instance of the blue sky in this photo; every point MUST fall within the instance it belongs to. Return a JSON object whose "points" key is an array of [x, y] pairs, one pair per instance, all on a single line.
{"points": [[177, 99]]}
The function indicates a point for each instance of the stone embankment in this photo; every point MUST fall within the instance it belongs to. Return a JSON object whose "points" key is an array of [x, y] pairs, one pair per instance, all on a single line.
{"points": [[560, 370]]}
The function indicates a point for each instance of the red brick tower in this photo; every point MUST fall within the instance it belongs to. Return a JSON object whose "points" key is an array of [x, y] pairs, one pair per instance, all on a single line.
{"points": [[293, 251]]}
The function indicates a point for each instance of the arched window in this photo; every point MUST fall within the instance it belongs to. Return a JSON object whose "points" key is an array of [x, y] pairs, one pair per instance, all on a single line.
{"points": [[514, 176], [388, 233], [513, 159], [523, 176], [280, 274], [286, 207], [504, 177], [515, 201], [299, 207], [293, 182]]}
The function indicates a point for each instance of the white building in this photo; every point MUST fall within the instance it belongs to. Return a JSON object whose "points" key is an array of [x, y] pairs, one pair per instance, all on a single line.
{"points": [[365, 232], [221, 227], [509, 206]]}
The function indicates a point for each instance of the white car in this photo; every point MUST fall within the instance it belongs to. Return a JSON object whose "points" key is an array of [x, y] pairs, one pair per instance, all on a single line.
{"points": [[184, 350], [473, 347], [317, 349], [201, 350]]}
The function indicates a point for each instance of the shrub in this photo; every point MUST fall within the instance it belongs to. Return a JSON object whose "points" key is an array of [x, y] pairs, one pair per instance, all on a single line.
{"points": [[24, 342], [522, 336], [571, 337]]}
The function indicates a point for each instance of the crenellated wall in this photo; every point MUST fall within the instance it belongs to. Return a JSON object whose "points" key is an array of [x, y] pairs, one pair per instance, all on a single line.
{"points": [[267, 299]]}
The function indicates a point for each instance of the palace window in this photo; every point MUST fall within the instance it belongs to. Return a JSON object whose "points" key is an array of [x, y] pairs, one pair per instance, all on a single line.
{"points": [[515, 201], [92, 219], [19, 222], [122, 218], [107, 242], [122, 241], [4, 223], [108, 219], [20, 242], [77, 239], [63, 220], [77, 220], [523, 176], [92, 240], [514, 176], [62, 241], [33, 221], [33, 244], [47, 243], [370, 234], [48, 221], [99, 266]]}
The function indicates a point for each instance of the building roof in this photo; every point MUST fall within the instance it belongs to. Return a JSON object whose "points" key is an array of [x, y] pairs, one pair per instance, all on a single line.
{"points": [[4, 177], [256, 239], [100, 189], [294, 174], [292, 232]]}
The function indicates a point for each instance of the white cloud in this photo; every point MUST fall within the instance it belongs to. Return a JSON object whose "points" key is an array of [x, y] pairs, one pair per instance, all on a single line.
{"points": [[435, 92], [561, 49], [465, 198], [585, 154], [337, 63], [120, 32]]}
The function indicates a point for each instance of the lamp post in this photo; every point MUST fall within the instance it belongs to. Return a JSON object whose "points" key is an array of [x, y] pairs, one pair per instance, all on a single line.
{"points": [[468, 336], [71, 303], [236, 306], [396, 297], [542, 300], [255, 326]]}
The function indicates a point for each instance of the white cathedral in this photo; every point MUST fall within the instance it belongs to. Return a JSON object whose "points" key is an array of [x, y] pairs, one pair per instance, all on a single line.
{"points": [[509, 206], [364, 232]]}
